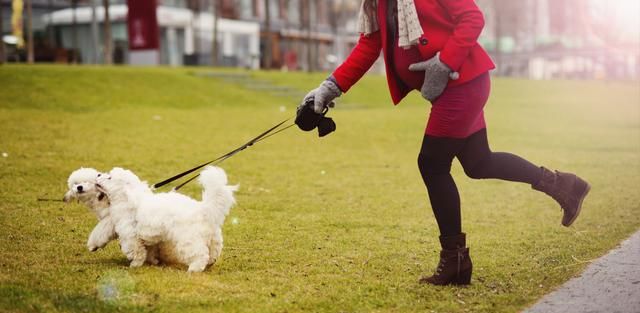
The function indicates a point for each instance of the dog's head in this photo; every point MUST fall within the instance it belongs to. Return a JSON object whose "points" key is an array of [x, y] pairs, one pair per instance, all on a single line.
{"points": [[82, 187], [120, 182]]}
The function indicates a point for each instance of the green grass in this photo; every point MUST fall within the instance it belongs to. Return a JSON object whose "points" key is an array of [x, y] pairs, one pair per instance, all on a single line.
{"points": [[339, 224]]}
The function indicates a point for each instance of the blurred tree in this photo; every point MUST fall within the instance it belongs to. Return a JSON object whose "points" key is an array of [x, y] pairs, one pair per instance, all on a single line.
{"points": [[506, 22], [74, 32], [195, 7], [50, 29], [305, 14], [215, 6], [334, 17], [94, 31], [108, 55], [30, 58], [2, 57], [268, 57], [341, 12]]}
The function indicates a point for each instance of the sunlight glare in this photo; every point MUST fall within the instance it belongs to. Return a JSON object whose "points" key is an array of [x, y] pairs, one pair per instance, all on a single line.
{"points": [[627, 15]]}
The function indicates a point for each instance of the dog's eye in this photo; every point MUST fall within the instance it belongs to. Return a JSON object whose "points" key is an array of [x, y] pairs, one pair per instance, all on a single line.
{"points": [[99, 175]]}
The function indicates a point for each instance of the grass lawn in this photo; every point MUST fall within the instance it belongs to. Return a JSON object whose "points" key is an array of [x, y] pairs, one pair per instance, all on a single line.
{"points": [[338, 224]]}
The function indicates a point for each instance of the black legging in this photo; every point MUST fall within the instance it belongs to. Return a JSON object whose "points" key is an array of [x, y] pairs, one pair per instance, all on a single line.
{"points": [[478, 161]]}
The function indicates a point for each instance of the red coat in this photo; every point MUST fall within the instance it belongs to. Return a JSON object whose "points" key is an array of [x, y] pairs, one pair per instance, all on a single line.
{"points": [[450, 26]]}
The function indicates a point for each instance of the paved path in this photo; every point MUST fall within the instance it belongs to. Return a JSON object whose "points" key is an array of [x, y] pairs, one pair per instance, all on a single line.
{"points": [[610, 284]]}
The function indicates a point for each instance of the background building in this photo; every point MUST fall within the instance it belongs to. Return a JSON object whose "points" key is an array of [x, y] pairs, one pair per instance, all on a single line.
{"points": [[299, 34], [542, 39], [181, 32], [537, 39]]}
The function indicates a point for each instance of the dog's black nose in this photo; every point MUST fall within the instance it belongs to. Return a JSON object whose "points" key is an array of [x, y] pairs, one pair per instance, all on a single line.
{"points": [[79, 188]]}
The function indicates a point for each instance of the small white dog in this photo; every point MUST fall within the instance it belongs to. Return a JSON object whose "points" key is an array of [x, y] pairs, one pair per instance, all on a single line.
{"points": [[182, 229], [82, 187]]}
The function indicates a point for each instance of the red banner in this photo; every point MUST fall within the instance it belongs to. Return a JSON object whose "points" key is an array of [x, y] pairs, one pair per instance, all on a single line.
{"points": [[142, 25]]}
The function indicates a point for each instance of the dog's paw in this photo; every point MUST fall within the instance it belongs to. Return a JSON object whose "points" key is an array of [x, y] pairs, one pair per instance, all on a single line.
{"points": [[196, 268], [136, 263], [94, 246]]}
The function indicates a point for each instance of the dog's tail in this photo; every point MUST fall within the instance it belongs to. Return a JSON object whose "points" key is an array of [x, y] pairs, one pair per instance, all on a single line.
{"points": [[217, 196]]}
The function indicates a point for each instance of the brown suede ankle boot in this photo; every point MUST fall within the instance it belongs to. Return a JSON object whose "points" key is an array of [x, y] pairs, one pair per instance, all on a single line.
{"points": [[455, 264], [567, 189]]}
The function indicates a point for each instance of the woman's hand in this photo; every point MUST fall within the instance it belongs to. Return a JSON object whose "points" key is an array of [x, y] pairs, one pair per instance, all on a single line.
{"points": [[436, 77], [324, 95]]}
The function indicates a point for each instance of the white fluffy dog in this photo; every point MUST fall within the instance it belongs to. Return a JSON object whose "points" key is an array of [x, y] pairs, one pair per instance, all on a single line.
{"points": [[182, 229], [82, 187]]}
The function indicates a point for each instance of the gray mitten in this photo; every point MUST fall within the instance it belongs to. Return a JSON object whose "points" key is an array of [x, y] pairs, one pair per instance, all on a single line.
{"points": [[436, 77], [324, 95]]}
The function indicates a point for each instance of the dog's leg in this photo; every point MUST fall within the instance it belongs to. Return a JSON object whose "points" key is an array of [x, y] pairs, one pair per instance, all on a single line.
{"points": [[199, 255], [101, 235], [215, 247], [139, 254], [131, 245], [153, 255]]}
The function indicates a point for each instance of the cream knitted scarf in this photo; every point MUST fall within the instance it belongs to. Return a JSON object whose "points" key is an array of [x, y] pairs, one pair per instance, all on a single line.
{"points": [[409, 28]]}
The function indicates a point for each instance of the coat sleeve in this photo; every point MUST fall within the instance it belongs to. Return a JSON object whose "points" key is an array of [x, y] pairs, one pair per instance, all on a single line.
{"points": [[365, 53], [469, 23]]}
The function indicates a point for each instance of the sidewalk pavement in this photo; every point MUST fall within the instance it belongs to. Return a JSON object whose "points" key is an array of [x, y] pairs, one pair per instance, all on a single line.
{"points": [[610, 284]]}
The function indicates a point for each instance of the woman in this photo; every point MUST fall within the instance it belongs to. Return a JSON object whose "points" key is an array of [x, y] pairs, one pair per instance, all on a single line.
{"points": [[431, 46]]}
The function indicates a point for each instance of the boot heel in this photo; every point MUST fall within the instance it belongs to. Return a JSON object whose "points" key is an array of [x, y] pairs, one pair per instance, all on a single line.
{"points": [[463, 279]]}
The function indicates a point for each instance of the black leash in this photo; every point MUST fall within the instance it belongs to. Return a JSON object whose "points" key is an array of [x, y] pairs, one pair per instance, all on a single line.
{"points": [[51, 200], [220, 161], [266, 134]]}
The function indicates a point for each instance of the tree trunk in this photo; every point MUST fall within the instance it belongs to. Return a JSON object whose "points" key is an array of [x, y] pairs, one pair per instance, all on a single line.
{"points": [[50, 28], [197, 29], [310, 63], [108, 56], [30, 57], [95, 36], [2, 57], [74, 31], [267, 35], [215, 5]]}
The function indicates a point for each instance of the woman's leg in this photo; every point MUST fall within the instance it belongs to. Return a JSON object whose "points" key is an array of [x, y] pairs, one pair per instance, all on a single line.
{"points": [[434, 162], [455, 266], [479, 162]]}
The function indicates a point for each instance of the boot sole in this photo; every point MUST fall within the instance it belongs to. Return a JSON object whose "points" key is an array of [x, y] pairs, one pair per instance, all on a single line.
{"points": [[463, 279], [587, 188]]}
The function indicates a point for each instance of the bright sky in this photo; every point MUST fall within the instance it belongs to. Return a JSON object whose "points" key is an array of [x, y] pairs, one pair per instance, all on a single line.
{"points": [[628, 11], [626, 14]]}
